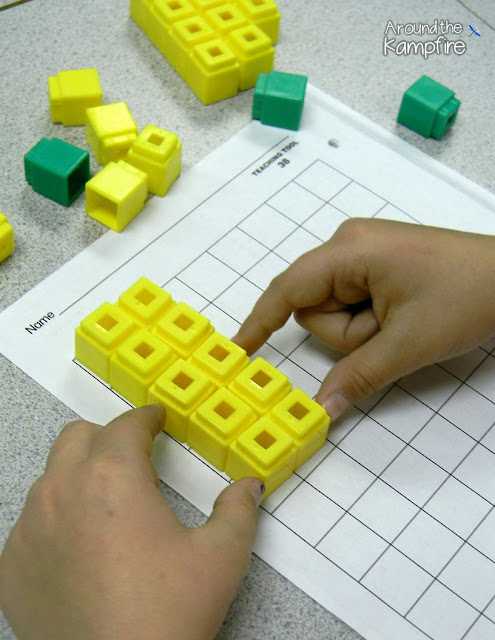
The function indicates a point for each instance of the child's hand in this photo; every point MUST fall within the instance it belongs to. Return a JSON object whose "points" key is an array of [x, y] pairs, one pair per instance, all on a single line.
{"points": [[394, 296], [98, 554]]}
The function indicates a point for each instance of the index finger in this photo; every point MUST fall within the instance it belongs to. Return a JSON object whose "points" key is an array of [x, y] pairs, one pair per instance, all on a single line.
{"points": [[306, 283]]}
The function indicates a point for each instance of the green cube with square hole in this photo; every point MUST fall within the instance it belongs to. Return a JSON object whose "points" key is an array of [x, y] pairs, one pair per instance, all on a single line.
{"points": [[428, 108], [279, 99]]}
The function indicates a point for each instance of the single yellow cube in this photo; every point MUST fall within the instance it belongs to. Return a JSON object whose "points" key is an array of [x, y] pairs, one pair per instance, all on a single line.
{"points": [[71, 93], [145, 302], [261, 385], [99, 335], [304, 420], [220, 359], [213, 72], [225, 18], [264, 14], [6, 238], [159, 154], [264, 451], [180, 390], [183, 37], [216, 423], [116, 194], [255, 53], [184, 329], [137, 363], [110, 131]]}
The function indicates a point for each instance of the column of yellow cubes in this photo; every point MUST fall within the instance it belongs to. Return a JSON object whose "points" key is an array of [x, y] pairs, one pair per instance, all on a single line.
{"points": [[180, 389], [220, 359], [137, 363], [216, 423], [261, 385], [98, 337], [145, 302], [183, 328], [184, 36]]}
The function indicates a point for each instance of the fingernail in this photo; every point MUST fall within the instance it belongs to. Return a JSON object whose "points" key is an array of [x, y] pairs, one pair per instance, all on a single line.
{"points": [[258, 491], [335, 405]]}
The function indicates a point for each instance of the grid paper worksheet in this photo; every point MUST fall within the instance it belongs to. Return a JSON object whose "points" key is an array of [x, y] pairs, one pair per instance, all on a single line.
{"points": [[391, 525]]}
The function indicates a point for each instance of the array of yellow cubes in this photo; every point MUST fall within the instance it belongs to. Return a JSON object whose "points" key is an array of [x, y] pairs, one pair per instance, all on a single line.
{"points": [[242, 416], [217, 47]]}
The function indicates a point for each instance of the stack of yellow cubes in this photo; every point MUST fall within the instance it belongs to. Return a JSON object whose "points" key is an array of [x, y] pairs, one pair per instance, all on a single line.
{"points": [[242, 416]]}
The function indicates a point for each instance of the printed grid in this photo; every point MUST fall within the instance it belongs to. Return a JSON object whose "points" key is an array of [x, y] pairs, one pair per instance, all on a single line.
{"points": [[415, 525]]}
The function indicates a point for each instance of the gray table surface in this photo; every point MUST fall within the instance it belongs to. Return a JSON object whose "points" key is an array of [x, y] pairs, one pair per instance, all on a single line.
{"points": [[338, 45]]}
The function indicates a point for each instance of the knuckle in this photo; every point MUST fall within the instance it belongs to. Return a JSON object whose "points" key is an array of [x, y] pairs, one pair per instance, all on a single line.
{"points": [[364, 381]]}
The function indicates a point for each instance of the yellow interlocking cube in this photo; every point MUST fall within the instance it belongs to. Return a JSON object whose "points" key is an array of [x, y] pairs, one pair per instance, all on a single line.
{"points": [[261, 385], [6, 238], [213, 72], [145, 302], [225, 18], [159, 154], [98, 337], [184, 329], [137, 363], [220, 359], [110, 131], [71, 93], [116, 194], [183, 37], [254, 51], [304, 420], [216, 423], [180, 389], [265, 451], [264, 14]]}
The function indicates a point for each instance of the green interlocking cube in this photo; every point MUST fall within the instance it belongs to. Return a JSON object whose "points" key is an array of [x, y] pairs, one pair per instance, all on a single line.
{"points": [[428, 108], [56, 169], [279, 99]]}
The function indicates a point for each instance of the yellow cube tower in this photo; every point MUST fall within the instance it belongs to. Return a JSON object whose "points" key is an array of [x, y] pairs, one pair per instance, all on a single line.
{"points": [[110, 131], [6, 238], [71, 93], [159, 154]]}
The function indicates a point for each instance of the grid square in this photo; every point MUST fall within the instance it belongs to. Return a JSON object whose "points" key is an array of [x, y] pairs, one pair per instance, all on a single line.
{"points": [[316, 357], [464, 365], [288, 338], [267, 226], [239, 299], [483, 538], [428, 543], [397, 580], [181, 292], [331, 477], [471, 576], [222, 322], [352, 546], [357, 201], [238, 250], [325, 222], [414, 476], [483, 379], [443, 443], [482, 629], [371, 445], [279, 495], [401, 413], [478, 472], [432, 385], [344, 424], [268, 268], [208, 276], [489, 439], [299, 242], [322, 180], [389, 212], [441, 614], [295, 202], [457, 507], [384, 510], [463, 406], [367, 404], [309, 513], [300, 378]]}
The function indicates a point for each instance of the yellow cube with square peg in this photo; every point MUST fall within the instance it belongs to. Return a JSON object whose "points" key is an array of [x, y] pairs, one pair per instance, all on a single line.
{"points": [[184, 329], [216, 423], [264, 14], [145, 302], [265, 451], [220, 359], [6, 238], [71, 93], [137, 363], [99, 335], [261, 385], [180, 390], [110, 131], [159, 154], [304, 420], [116, 194], [213, 72], [255, 53]]}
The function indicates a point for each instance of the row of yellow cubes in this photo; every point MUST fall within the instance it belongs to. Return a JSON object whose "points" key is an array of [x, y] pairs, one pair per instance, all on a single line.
{"points": [[241, 416], [217, 47]]}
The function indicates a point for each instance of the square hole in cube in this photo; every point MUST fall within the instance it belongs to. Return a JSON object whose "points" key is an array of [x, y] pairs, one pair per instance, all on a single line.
{"points": [[226, 15], [219, 353], [144, 350], [183, 322], [193, 28], [265, 439], [145, 297], [182, 380], [107, 322], [155, 138], [215, 52], [249, 36], [224, 410], [261, 379], [298, 411]]}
